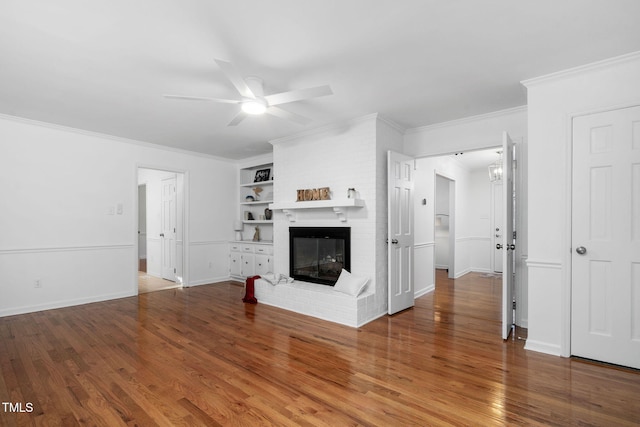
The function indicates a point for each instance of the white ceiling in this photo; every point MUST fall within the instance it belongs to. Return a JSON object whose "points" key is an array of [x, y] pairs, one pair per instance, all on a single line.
{"points": [[103, 65]]}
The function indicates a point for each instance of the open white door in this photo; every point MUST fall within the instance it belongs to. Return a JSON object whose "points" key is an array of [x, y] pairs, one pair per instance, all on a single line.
{"points": [[168, 229], [508, 242], [400, 182]]}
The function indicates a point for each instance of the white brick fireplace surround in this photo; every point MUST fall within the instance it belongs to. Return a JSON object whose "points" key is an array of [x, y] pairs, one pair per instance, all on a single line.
{"points": [[352, 155]]}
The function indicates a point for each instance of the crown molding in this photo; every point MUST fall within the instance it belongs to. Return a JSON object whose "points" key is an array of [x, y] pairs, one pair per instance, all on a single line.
{"points": [[470, 119], [570, 72]]}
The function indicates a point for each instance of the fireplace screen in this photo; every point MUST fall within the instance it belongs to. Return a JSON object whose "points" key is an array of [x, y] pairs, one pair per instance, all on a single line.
{"points": [[318, 254]]}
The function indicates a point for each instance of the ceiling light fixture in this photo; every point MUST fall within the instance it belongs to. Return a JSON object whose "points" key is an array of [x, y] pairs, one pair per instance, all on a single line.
{"points": [[495, 169], [254, 106]]}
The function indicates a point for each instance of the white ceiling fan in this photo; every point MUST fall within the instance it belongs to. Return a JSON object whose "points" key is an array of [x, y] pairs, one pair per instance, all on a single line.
{"points": [[254, 101]]}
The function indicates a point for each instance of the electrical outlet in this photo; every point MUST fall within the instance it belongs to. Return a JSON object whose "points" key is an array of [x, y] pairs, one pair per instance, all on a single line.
{"points": [[37, 283]]}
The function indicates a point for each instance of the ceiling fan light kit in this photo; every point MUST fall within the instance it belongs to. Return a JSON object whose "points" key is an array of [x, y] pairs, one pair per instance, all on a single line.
{"points": [[254, 102], [254, 107]]}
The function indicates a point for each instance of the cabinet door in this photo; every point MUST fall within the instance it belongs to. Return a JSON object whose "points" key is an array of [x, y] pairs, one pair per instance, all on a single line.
{"points": [[248, 265], [263, 264], [235, 264]]}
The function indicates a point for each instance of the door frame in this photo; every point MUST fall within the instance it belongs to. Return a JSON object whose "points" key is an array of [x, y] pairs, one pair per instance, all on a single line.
{"points": [[184, 223], [521, 179], [565, 295]]}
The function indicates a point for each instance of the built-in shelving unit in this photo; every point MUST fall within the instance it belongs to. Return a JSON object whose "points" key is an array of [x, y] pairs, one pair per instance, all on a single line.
{"points": [[246, 256]]}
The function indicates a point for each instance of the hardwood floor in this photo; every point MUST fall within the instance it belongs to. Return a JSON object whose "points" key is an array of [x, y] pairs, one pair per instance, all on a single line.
{"points": [[199, 356], [148, 283]]}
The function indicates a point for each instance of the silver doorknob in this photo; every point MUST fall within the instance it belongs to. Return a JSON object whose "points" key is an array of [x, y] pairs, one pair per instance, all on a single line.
{"points": [[161, 234], [498, 246], [581, 250], [394, 241]]}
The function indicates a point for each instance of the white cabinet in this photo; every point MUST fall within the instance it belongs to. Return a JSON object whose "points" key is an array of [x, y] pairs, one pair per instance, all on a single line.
{"points": [[248, 265], [263, 264], [250, 258], [235, 264]]}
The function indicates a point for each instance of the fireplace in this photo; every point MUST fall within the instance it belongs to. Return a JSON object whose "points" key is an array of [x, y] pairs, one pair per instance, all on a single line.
{"points": [[318, 254]]}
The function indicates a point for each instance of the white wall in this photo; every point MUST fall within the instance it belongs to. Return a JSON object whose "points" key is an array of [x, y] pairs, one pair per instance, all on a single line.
{"points": [[480, 220], [553, 101], [459, 221], [60, 220]]}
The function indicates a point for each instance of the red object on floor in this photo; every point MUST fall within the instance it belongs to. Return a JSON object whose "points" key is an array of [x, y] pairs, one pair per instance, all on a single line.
{"points": [[250, 288]]}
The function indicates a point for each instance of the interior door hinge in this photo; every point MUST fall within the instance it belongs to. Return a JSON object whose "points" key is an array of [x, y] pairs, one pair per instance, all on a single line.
{"points": [[514, 305], [514, 235]]}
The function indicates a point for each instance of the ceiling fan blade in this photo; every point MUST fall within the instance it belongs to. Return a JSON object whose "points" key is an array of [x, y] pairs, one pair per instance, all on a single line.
{"points": [[284, 114], [298, 95], [235, 78], [202, 98], [238, 118]]}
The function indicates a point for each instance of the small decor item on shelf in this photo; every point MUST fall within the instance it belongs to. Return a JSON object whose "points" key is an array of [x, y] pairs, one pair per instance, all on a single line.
{"points": [[248, 216], [249, 199], [262, 175], [257, 192], [256, 235], [237, 227], [322, 193], [351, 193], [267, 213], [325, 193]]}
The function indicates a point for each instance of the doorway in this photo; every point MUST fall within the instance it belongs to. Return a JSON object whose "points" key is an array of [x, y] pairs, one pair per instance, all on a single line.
{"points": [[142, 228], [473, 239], [444, 224], [160, 229]]}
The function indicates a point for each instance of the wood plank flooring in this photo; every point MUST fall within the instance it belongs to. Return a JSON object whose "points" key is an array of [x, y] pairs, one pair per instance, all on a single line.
{"points": [[148, 283], [199, 356]]}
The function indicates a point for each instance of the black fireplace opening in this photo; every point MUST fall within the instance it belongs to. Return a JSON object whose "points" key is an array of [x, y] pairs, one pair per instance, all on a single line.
{"points": [[318, 254]]}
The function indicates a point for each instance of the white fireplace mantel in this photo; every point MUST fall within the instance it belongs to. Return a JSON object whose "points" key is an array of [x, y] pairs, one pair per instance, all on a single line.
{"points": [[339, 207]]}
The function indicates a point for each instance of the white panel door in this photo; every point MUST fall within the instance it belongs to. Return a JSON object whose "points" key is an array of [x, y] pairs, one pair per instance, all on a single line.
{"points": [[508, 243], [400, 181], [605, 282], [168, 222]]}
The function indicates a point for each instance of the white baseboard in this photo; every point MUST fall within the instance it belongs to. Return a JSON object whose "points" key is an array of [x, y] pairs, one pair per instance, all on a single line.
{"points": [[209, 281], [542, 347], [425, 291], [65, 303]]}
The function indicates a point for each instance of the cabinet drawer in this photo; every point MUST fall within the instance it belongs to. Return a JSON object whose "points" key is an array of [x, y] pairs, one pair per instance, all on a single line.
{"points": [[266, 250], [248, 248], [235, 247]]}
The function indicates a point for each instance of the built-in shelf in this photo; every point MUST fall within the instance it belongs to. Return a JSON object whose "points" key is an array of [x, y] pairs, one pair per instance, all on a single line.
{"points": [[257, 184], [259, 202], [252, 204], [339, 207]]}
